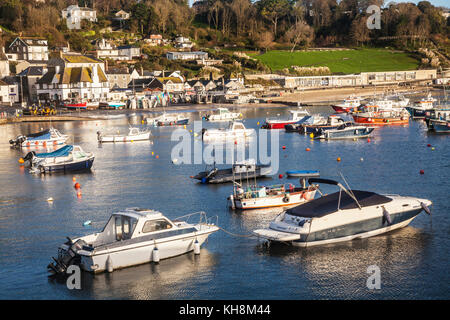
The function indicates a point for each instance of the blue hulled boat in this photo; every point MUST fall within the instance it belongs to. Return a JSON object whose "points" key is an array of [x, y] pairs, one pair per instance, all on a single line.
{"points": [[72, 158]]}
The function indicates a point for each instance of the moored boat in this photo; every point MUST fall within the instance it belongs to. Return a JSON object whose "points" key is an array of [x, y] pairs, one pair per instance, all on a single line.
{"points": [[223, 114], [32, 157], [332, 122], [112, 105], [342, 216], [295, 116], [73, 160], [307, 120], [132, 237], [344, 132], [303, 173], [134, 134], [235, 131], [247, 169], [374, 115], [438, 120], [44, 138], [349, 105], [420, 107], [259, 197]]}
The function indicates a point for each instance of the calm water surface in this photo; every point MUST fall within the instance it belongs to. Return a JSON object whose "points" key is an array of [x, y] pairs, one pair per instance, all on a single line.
{"points": [[413, 261]]}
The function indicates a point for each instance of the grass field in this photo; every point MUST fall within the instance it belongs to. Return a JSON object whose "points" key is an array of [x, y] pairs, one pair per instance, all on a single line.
{"points": [[347, 61]]}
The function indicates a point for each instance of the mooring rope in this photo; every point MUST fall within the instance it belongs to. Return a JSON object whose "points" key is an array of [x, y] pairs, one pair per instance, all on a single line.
{"points": [[237, 235]]}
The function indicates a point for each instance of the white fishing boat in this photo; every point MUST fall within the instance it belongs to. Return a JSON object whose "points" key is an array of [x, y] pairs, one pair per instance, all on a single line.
{"points": [[40, 139], [349, 105], [258, 197], [294, 117], [73, 159], [134, 134], [235, 131], [132, 237], [342, 216], [223, 114]]}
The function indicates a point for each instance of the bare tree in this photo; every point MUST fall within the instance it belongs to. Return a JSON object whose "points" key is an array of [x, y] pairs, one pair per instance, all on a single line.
{"points": [[162, 9], [240, 9], [299, 32]]}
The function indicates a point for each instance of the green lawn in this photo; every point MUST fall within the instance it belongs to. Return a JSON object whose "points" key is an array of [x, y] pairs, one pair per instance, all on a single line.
{"points": [[349, 61]]}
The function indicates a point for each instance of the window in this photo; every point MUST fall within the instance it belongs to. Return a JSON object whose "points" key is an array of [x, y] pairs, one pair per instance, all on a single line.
{"points": [[118, 228], [124, 227], [156, 225]]}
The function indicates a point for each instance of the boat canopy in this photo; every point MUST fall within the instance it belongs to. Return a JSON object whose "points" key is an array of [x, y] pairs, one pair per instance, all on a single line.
{"points": [[61, 152], [329, 204], [39, 135]]}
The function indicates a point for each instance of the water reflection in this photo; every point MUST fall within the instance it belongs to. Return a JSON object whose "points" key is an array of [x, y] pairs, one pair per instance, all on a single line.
{"points": [[170, 279]]}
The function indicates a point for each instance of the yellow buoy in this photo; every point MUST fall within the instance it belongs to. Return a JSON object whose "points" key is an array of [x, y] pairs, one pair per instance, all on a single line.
{"points": [[153, 153], [311, 135], [21, 160]]}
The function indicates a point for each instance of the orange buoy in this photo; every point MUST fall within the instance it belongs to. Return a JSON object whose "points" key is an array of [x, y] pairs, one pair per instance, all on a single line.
{"points": [[44, 144], [21, 161], [338, 159], [157, 157], [79, 194], [36, 143], [28, 144], [74, 179], [77, 186], [308, 149], [54, 142]]}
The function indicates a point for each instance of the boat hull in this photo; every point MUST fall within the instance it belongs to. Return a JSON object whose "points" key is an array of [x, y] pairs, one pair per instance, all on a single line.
{"points": [[417, 113], [172, 123], [283, 200], [140, 137], [142, 253], [350, 133], [44, 143], [341, 109], [381, 121], [439, 126], [67, 167], [277, 125]]}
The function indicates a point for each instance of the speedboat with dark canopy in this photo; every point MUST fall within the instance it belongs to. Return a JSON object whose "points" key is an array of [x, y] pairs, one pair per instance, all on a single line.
{"points": [[342, 216]]}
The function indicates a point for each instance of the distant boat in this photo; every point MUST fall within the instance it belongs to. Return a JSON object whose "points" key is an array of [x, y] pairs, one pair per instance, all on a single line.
{"points": [[44, 138], [344, 132], [332, 122], [259, 197], [72, 160], [223, 114], [112, 105], [247, 169], [376, 115], [342, 216], [307, 120], [303, 173], [76, 105], [235, 131], [349, 105], [295, 116], [420, 107], [134, 134], [438, 120], [168, 119]]}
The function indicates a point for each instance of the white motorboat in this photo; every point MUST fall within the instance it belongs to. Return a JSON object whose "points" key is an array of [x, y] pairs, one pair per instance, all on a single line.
{"points": [[132, 237], [235, 131], [223, 114], [295, 116], [349, 105], [134, 134], [349, 131], [168, 119], [342, 216], [40, 139], [72, 159]]}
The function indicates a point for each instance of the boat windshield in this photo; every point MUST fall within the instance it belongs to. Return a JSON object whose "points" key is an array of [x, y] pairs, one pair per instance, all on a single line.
{"points": [[328, 204]]}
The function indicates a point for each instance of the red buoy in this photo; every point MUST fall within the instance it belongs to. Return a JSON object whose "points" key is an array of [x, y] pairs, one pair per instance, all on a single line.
{"points": [[428, 145], [280, 176], [308, 149], [284, 147], [368, 139], [77, 186], [422, 172]]}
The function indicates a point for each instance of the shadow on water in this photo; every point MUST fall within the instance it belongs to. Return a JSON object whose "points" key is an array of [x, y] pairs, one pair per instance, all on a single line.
{"points": [[173, 278]]}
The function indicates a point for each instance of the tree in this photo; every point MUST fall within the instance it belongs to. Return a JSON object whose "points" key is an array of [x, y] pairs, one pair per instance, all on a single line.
{"points": [[274, 10], [359, 31], [162, 9], [240, 9], [140, 12], [265, 40], [299, 32]]}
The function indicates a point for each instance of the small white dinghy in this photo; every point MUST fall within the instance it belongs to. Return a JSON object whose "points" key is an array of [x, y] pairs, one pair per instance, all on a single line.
{"points": [[132, 237], [134, 134], [223, 114]]}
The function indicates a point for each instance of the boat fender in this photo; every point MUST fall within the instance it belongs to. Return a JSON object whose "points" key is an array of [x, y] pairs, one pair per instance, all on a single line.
{"points": [[286, 199], [155, 255], [425, 208], [305, 196], [109, 264], [196, 247], [386, 216]]}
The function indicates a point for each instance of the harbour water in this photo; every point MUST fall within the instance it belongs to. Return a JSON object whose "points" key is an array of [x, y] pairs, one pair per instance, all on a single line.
{"points": [[413, 261]]}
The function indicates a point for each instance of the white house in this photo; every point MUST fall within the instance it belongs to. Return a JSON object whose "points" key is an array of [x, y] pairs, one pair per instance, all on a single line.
{"points": [[29, 49], [183, 43], [74, 77], [9, 92], [195, 55], [4, 64], [74, 15]]}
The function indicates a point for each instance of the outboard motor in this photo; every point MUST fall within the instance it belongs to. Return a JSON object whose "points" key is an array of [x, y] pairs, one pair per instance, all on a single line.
{"points": [[18, 141], [66, 258], [99, 136]]}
